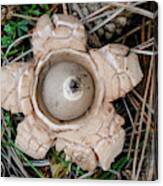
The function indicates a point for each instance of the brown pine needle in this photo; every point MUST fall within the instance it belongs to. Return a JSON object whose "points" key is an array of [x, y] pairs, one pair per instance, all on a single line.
{"points": [[119, 10], [141, 99], [133, 133], [148, 125], [96, 12], [141, 118], [133, 9], [21, 56], [144, 52], [64, 9], [25, 17], [128, 111], [16, 42], [132, 32]]}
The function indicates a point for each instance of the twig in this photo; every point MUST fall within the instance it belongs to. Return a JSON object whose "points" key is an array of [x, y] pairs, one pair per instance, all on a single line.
{"points": [[64, 9], [141, 118], [136, 106], [5, 61], [139, 2], [133, 133], [87, 175], [145, 44], [108, 13], [81, 14], [18, 162], [119, 10], [103, 9], [144, 52], [38, 163], [16, 42], [131, 32], [151, 166], [116, 173], [96, 12], [136, 132], [148, 125], [10, 154], [141, 99], [25, 17], [135, 9], [128, 111], [21, 56]]}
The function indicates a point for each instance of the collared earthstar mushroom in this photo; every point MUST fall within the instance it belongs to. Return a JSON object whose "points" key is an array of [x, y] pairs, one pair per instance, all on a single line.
{"points": [[66, 94]]}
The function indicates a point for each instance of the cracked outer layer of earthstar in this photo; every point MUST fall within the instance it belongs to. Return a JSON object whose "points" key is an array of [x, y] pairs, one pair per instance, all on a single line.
{"points": [[77, 118]]}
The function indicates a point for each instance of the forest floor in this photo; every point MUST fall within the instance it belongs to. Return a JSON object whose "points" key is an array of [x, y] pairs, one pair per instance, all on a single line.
{"points": [[133, 24]]}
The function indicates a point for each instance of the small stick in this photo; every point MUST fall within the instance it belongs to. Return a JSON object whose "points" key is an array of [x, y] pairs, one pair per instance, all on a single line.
{"points": [[64, 9], [139, 3], [18, 162], [142, 33], [135, 9], [81, 15], [17, 41], [128, 111], [133, 133], [39, 163], [21, 56], [90, 173], [147, 131], [96, 12], [141, 117], [99, 16], [152, 163], [5, 61], [25, 17], [144, 52], [131, 32], [136, 105], [116, 173], [119, 10], [146, 44], [141, 99], [103, 9]]}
